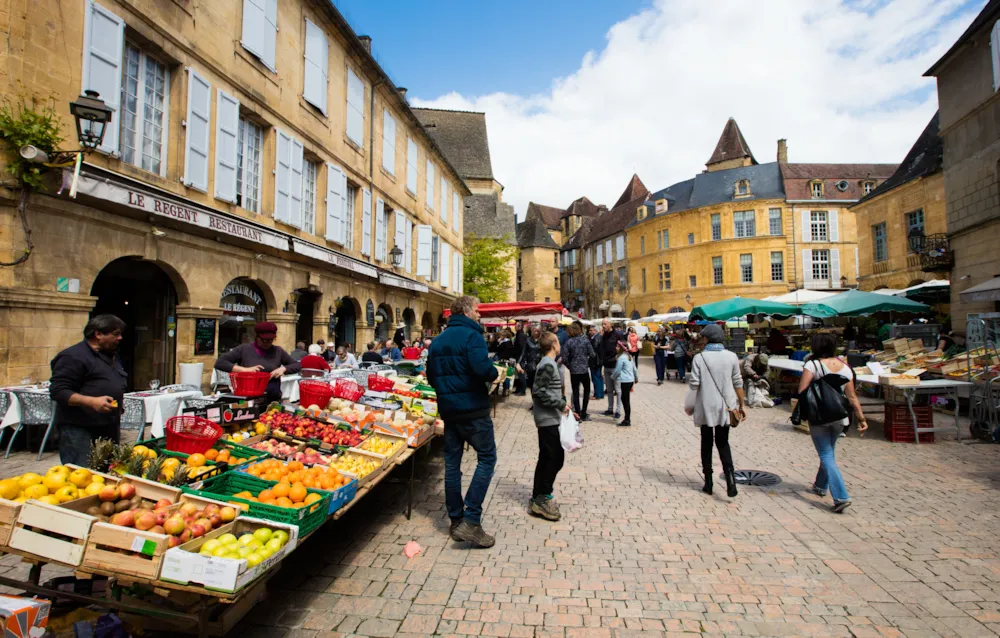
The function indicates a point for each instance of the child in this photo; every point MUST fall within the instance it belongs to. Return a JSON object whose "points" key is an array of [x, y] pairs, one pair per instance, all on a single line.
{"points": [[625, 374], [549, 406]]}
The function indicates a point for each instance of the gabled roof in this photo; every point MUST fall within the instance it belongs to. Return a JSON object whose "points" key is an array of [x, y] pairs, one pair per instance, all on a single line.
{"points": [[532, 233], [582, 207], [462, 136], [614, 221], [487, 216], [731, 145], [925, 158], [581, 236], [550, 215], [985, 17], [634, 189], [797, 178]]}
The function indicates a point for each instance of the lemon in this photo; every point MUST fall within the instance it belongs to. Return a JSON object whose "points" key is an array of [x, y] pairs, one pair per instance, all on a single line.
{"points": [[54, 481], [96, 478]]}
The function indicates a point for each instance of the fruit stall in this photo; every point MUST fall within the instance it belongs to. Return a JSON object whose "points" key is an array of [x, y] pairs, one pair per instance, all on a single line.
{"points": [[188, 528]]}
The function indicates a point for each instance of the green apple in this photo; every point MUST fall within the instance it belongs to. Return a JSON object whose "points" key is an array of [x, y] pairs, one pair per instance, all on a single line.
{"points": [[274, 545], [264, 552], [244, 552], [255, 544], [245, 539], [205, 552], [262, 534], [254, 559], [282, 534], [220, 551], [226, 539], [232, 556], [210, 545]]}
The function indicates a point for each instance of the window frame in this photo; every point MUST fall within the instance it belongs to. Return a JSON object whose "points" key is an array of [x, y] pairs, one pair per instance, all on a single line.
{"points": [[746, 268], [880, 243], [816, 224], [692, 281], [816, 189], [141, 105], [716, 222], [690, 239], [744, 224], [818, 265], [910, 225], [771, 219], [352, 193], [718, 276], [310, 170], [242, 148], [779, 264]]}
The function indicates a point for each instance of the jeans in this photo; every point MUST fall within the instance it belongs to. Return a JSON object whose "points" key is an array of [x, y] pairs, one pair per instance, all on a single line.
{"points": [[550, 460], [681, 362], [613, 390], [478, 433], [721, 436], [595, 376], [825, 439], [660, 360], [577, 380], [635, 360], [74, 442], [626, 390]]}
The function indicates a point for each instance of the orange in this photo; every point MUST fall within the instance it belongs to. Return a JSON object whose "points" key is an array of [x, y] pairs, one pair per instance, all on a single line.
{"points": [[196, 460], [312, 498], [295, 465], [210, 454], [281, 489], [298, 493], [283, 502], [266, 495]]}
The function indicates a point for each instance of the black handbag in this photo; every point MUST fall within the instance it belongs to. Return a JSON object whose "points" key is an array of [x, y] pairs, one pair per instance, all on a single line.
{"points": [[823, 401]]}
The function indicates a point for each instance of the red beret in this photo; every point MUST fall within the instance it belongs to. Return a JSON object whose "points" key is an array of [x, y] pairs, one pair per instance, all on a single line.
{"points": [[266, 329]]}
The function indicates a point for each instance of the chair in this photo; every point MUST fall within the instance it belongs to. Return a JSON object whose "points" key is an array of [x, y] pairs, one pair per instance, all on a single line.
{"points": [[134, 416], [221, 379], [36, 409], [311, 373], [361, 376], [198, 404], [4, 403]]}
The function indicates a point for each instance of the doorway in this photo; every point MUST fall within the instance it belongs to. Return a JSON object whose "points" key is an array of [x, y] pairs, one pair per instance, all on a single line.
{"points": [[409, 322], [347, 319], [305, 307], [383, 322], [142, 295]]}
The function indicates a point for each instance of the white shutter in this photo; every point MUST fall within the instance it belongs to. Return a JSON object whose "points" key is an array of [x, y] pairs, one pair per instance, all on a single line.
{"points": [[807, 267], [103, 47], [411, 165], [336, 198], [317, 56], [379, 229], [834, 231], [423, 251], [199, 109], [461, 274], [600, 254], [454, 272], [456, 208], [608, 255], [408, 246], [388, 142], [806, 231], [295, 185], [282, 177], [260, 30], [834, 267], [444, 199], [355, 108], [399, 235], [995, 54], [366, 223], [429, 195], [587, 257], [227, 127], [444, 269]]}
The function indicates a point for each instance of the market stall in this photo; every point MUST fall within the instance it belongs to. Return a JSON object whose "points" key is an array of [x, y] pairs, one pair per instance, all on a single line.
{"points": [[738, 307]]}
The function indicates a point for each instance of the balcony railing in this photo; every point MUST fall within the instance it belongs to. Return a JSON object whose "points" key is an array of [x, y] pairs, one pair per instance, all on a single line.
{"points": [[936, 254]]}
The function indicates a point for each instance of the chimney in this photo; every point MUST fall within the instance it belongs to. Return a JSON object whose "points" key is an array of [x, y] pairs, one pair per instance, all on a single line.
{"points": [[402, 92], [782, 151], [366, 42]]}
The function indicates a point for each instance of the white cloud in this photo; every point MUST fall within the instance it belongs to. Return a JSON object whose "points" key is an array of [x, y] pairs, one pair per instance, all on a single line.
{"points": [[843, 83]]}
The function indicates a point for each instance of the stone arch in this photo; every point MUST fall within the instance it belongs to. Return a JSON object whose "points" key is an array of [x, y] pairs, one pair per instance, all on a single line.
{"points": [[914, 282], [677, 309], [384, 329], [427, 322], [651, 312], [635, 315]]}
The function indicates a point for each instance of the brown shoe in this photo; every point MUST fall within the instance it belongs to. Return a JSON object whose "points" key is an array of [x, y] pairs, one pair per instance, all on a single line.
{"points": [[466, 531], [546, 508], [455, 522]]}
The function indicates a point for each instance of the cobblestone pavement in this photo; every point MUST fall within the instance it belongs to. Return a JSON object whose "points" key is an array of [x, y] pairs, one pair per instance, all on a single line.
{"points": [[640, 551]]}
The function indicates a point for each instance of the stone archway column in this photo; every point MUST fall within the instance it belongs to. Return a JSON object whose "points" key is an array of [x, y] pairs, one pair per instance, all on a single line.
{"points": [[186, 316], [286, 322]]}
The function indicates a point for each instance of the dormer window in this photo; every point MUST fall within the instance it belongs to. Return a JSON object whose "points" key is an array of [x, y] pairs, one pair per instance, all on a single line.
{"points": [[661, 206], [816, 188], [867, 187], [743, 188], [640, 213]]}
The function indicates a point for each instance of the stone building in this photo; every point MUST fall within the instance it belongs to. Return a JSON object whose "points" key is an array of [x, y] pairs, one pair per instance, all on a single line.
{"points": [[537, 265], [899, 215], [968, 80], [259, 164], [748, 229]]}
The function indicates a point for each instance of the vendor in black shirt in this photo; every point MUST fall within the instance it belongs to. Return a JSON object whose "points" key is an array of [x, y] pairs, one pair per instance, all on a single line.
{"points": [[372, 355], [88, 385]]}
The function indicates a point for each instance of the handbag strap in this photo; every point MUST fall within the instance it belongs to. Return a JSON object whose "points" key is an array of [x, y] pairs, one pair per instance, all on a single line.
{"points": [[714, 382]]}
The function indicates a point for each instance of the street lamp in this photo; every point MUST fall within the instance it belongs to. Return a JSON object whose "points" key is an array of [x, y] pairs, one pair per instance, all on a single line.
{"points": [[92, 117], [916, 239], [396, 256]]}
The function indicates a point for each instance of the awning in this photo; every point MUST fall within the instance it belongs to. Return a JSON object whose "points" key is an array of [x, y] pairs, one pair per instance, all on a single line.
{"points": [[986, 291], [616, 307], [401, 282], [740, 307], [801, 296], [854, 303], [935, 290]]}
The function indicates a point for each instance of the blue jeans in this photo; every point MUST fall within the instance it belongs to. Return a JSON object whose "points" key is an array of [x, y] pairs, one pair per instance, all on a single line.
{"points": [[598, 379], [681, 363], [825, 439], [660, 360], [478, 433]]}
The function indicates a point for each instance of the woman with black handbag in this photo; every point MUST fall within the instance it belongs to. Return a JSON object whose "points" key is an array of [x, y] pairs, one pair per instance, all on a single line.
{"points": [[826, 399]]}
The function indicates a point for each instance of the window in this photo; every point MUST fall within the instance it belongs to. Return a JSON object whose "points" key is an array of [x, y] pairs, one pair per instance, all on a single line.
{"points": [[868, 187], [662, 240], [144, 105], [744, 224], [692, 281], [743, 188], [816, 188], [878, 232], [411, 166], [519, 282], [251, 139], [716, 227], [717, 271], [355, 109], [317, 59], [556, 285], [643, 274], [774, 221], [642, 245], [556, 259], [818, 228], [382, 233], [435, 242], [821, 264], [607, 252], [600, 282], [777, 266], [388, 142], [600, 254], [569, 282], [746, 268], [914, 220], [352, 193], [260, 30], [429, 195], [690, 239], [620, 247], [611, 280], [664, 276], [309, 196], [622, 278]]}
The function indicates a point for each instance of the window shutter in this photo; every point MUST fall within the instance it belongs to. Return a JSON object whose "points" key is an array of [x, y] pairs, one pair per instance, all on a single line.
{"points": [[335, 204], [282, 177], [444, 199], [456, 209], [388, 142], [834, 232], [834, 267], [461, 274], [317, 55], [806, 230], [199, 109], [423, 251], [454, 272], [103, 47], [995, 54], [444, 269], [430, 185], [587, 257], [355, 109], [399, 236], [807, 267], [411, 166], [227, 126], [408, 246], [260, 30], [366, 223], [379, 230], [600, 254], [295, 185]]}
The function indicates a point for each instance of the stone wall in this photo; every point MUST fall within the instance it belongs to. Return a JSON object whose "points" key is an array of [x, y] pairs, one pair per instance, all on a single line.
{"points": [[538, 275]]}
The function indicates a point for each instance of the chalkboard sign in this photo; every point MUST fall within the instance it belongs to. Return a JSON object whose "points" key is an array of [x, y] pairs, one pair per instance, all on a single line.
{"points": [[370, 313], [204, 336], [737, 340]]}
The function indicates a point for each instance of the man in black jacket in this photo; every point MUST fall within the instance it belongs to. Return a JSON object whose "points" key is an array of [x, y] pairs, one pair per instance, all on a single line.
{"points": [[610, 336], [596, 368], [520, 341]]}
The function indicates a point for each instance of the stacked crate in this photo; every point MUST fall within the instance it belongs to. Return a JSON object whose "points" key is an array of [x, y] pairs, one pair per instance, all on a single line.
{"points": [[899, 423]]}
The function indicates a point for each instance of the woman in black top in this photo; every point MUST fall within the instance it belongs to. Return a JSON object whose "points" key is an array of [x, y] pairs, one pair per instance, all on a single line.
{"points": [[661, 343]]}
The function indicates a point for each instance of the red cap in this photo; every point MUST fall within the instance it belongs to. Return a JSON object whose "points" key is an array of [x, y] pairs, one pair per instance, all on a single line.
{"points": [[266, 329]]}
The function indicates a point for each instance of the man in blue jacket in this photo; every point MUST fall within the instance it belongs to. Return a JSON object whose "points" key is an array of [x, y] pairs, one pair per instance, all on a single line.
{"points": [[460, 371]]}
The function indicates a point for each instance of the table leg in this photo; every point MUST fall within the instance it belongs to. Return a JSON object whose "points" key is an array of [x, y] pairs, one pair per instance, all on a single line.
{"points": [[913, 415], [958, 428], [409, 499]]}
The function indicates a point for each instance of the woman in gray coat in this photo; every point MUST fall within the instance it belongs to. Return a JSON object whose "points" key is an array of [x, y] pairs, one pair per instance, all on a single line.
{"points": [[577, 354], [716, 378]]}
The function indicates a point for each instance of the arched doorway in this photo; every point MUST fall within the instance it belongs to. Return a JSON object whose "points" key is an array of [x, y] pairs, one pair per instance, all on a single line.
{"points": [[347, 320], [442, 322], [409, 321], [427, 324], [676, 309], [144, 297], [651, 312], [305, 307], [383, 322], [243, 304], [635, 314]]}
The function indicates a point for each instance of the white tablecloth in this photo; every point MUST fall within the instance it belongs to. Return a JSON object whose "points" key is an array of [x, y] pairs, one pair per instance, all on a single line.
{"points": [[160, 406], [13, 414]]}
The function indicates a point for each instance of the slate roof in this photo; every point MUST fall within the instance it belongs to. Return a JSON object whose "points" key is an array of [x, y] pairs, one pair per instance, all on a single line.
{"points": [[581, 236], [487, 216], [462, 136], [925, 158], [985, 17], [798, 176], [584, 208], [634, 189], [550, 215], [731, 145], [532, 233]]}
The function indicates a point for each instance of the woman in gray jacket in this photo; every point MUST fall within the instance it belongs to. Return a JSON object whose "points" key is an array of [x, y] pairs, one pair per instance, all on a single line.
{"points": [[577, 353], [549, 407], [715, 376]]}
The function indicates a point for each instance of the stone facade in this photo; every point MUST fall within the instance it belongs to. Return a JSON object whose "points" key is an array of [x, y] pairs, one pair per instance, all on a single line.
{"points": [[538, 274]]}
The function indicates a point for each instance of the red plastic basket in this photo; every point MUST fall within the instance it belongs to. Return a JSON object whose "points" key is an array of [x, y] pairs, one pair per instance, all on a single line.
{"points": [[380, 384], [314, 393], [411, 353], [191, 434], [249, 384], [349, 389]]}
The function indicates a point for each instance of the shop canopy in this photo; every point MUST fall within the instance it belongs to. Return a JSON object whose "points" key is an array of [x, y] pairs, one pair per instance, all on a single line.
{"points": [[741, 306], [667, 317], [854, 303], [986, 291], [934, 291], [801, 296], [519, 311]]}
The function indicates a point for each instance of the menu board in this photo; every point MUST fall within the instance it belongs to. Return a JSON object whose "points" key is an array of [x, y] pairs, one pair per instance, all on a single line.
{"points": [[204, 336], [737, 340]]}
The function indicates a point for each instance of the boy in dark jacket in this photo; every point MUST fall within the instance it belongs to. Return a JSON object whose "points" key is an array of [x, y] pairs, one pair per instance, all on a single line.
{"points": [[549, 406], [460, 370]]}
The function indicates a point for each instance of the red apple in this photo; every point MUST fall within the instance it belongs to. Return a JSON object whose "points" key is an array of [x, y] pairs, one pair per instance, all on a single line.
{"points": [[109, 494], [145, 520], [127, 490], [173, 541], [162, 503], [157, 529], [186, 535], [211, 509], [197, 531], [161, 516], [188, 508], [227, 514], [174, 525], [205, 523], [124, 519], [216, 521]]}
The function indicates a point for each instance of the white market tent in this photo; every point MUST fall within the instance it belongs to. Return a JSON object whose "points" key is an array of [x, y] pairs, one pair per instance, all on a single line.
{"points": [[667, 317], [801, 296]]}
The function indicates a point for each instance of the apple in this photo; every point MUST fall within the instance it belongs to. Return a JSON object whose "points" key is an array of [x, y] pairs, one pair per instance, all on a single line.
{"points": [[144, 521], [174, 525], [227, 514], [205, 523], [124, 519], [161, 516], [162, 503], [211, 544], [274, 544], [173, 541], [254, 559], [196, 530], [188, 508], [109, 494], [157, 529], [216, 521], [210, 509], [282, 534], [262, 534], [186, 535], [127, 490]]}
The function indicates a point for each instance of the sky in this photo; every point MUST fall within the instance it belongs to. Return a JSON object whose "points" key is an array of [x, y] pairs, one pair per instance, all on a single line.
{"points": [[581, 94]]}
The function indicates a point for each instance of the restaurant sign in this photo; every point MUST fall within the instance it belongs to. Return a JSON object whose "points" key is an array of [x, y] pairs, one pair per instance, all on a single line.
{"points": [[399, 282], [231, 294], [335, 258]]}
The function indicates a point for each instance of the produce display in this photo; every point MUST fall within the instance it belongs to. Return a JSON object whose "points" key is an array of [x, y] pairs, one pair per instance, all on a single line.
{"points": [[304, 428], [283, 494], [413, 394], [292, 472], [309, 456], [250, 430], [276, 448], [384, 445], [356, 464], [59, 485], [253, 548]]}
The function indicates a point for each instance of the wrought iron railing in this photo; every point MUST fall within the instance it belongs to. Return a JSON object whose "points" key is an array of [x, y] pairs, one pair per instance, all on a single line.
{"points": [[936, 254]]}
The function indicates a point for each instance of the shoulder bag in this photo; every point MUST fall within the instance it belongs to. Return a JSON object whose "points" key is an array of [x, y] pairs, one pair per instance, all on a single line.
{"points": [[735, 416], [822, 401]]}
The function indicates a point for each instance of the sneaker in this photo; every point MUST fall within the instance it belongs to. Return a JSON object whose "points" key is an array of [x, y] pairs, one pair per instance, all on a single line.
{"points": [[466, 531], [659, 382], [624, 424], [815, 490], [618, 415], [843, 435], [545, 507], [608, 412], [841, 506], [455, 522]]}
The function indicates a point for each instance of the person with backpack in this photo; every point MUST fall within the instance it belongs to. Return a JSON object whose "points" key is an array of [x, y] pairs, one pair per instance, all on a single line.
{"points": [[826, 397]]}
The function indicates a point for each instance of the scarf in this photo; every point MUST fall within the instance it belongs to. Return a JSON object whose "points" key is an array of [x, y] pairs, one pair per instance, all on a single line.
{"points": [[714, 347]]}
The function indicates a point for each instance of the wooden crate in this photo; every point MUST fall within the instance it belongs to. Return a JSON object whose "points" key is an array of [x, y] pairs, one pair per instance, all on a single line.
{"points": [[8, 516], [373, 474], [52, 532], [387, 459]]}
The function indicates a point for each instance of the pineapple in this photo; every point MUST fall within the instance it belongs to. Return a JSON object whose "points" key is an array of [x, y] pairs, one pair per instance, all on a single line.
{"points": [[101, 451], [120, 458], [135, 465], [180, 476], [154, 469]]}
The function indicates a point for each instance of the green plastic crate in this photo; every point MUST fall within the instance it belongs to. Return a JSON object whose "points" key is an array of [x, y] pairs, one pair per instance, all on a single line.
{"points": [[160, 445], [224, 486]]}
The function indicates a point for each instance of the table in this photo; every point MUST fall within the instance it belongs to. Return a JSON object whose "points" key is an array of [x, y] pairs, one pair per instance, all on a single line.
{"points": [[160, 406], [13, 414]]}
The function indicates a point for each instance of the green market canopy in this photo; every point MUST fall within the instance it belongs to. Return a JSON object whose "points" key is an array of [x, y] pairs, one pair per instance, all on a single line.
{"points": [[740, 307], [853, 303]]}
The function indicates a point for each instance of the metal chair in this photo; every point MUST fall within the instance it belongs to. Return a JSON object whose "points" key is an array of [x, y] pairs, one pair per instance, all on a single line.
{"points": [[311, 373], [221, 379], [4, 403], [36, 409], [361, 376], [134, 416], [198, 404]]}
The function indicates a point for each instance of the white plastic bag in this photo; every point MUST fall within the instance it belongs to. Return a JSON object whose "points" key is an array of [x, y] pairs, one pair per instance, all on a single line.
{"points": [[569, 433], [757, 395], [689, 401]]}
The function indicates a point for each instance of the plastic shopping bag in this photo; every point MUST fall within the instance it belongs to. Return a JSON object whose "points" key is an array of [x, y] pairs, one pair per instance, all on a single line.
{"points": [[689, 401], [569, 433]]}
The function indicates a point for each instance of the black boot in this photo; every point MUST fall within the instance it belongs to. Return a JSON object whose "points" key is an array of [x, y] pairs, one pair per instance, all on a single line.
{"points": [[731, 482], [708, 482]]}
